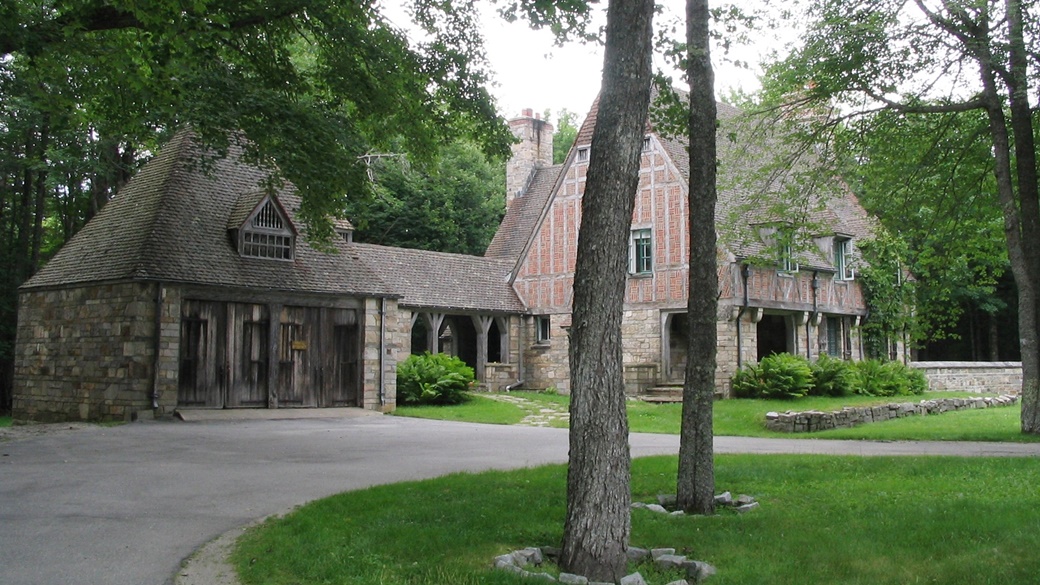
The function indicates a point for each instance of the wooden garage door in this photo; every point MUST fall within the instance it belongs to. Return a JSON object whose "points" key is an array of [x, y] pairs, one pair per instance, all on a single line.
{"points": [[201, 379]]}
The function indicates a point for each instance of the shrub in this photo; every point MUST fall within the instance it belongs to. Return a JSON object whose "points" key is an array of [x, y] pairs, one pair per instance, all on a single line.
{"points": [[433, 379], [833, 377], [780, 375], [879, 378]]}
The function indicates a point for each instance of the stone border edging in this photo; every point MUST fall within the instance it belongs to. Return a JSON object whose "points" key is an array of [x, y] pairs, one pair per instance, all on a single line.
{"points": [[850, 416]]}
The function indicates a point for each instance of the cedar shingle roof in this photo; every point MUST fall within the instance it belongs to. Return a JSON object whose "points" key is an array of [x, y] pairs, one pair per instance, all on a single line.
{"points": [[450, 282], [170, 223], [521, 219]]}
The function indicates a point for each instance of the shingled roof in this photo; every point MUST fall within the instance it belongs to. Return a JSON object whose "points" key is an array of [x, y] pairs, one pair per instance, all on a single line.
{"points": [[521, 219], [170, 223], [447, 282]]}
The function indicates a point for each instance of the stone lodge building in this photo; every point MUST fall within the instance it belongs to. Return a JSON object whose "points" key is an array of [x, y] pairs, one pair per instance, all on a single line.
{"points": [[199, 290]]}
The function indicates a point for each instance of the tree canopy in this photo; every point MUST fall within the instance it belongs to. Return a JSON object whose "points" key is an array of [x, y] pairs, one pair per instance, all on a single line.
{"points": [[952, 59]]}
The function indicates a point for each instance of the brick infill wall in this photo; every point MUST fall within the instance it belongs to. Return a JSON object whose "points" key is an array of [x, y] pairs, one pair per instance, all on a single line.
{"points": [[850, 416]]}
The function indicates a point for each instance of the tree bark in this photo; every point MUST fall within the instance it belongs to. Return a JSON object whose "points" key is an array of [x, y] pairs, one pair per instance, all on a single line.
{"points": [[597, 526], [1029, 209], [696, 479]]}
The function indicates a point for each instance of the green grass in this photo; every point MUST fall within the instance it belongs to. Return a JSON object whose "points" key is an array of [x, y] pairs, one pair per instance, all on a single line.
{"points": [[476, 408], [5, 421], [746, 417], [847, 520]]}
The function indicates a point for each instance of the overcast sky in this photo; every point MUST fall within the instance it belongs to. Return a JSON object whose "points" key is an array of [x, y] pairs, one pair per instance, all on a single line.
{"points": [[533, 73]]}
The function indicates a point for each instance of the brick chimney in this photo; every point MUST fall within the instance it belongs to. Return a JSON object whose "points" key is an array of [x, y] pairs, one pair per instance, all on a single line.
{"points": [[534, 151]]}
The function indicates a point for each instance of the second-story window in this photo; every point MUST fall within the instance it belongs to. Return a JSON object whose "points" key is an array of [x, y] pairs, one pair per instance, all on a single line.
{"points": [[641, 254], [843, 259]]}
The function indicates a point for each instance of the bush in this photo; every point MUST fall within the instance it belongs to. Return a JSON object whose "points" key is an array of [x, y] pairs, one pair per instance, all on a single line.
{"points": [[780, 375], [433, 379], [879, 378], [833, 377]]}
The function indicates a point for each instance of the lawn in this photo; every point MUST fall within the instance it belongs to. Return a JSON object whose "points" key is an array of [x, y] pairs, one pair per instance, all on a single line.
{"points": [[822, 519], [5, 421], [746, 417]]}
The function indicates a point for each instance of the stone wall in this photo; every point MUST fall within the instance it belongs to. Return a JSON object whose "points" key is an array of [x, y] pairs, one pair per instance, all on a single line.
{"points": [[546, 363], [990, 377], [86, 353], [814, 420], [395, 348]]}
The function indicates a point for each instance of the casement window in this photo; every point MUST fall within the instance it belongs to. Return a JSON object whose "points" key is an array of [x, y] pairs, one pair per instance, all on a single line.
{"points": [[646, 144], [640, 252], [267, 235], [843, 259], [583, 155], [543, 328], [786, 262]]}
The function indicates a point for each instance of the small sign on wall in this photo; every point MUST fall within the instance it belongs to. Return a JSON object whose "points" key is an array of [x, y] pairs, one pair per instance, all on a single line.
{"points": [[299, 345]]}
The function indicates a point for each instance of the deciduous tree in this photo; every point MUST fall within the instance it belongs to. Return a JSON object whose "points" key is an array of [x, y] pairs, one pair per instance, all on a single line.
{"points": [[925, 58], [597, 525], [696, 478]]}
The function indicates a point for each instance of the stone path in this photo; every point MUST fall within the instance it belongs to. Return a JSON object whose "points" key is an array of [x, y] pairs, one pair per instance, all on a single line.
{"points": [[537, 414]]}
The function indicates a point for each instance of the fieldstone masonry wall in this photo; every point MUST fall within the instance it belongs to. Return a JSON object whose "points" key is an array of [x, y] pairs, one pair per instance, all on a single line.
{"points": [[990, 377], [85, 353], [814, 420]]}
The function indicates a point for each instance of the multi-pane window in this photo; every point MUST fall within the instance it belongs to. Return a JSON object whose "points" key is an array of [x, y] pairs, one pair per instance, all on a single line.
{"points": [[786, 262], [641, 255], [843, 259], [583, 155], [646, 144], [543, 328], [266, 235]]}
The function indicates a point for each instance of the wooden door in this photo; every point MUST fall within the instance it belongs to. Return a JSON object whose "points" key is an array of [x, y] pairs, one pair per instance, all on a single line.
{"points": [[247, 340], [203, 358], [299, 357], [342, 379]]}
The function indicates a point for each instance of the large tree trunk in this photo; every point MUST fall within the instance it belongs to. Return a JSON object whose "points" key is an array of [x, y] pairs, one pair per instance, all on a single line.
{"points": [[598, 494], [696, 481], [1029, 206]]}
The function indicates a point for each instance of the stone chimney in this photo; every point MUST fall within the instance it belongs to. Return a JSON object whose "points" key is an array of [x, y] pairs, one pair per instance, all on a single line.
{"points": [[534, 151]]}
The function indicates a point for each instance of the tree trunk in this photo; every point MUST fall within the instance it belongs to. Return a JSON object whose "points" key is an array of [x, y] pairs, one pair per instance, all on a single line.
{"points": [[1029, 209], [696, 480], [597, 527]]}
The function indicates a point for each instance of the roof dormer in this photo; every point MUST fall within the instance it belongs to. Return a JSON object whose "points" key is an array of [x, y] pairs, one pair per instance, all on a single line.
{"points": [[266, 231]]}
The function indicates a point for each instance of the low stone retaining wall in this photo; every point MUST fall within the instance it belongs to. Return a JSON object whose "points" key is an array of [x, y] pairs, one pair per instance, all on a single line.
{"points": [[850, 416], [989, 377]]}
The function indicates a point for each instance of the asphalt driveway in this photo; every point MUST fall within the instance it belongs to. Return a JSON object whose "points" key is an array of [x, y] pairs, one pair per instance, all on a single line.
{"points": [[125, 505]]}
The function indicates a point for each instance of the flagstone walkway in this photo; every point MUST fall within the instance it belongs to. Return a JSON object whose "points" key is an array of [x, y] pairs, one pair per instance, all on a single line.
{"points": [[538, 414]]}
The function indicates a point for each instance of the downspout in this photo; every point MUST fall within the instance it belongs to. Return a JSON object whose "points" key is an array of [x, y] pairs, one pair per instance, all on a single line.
{"points": [[160, 295], [382, 351], [815, 312], [745, 273]]}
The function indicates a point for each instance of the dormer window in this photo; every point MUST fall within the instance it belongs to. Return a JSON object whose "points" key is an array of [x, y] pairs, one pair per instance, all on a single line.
{"points": [[267, 233], [843, 259], [786, 263]]}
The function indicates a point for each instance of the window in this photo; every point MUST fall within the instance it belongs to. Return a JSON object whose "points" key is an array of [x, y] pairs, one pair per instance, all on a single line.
{"points": [[267, 235], [786, 262], [646, 144], [839, 343], [543, 327], [583, 155], [640, 255], [843, 259]]}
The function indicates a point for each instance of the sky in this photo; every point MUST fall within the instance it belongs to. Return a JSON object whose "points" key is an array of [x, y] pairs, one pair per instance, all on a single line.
{"points": [[530, 71], [533, 73]]}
